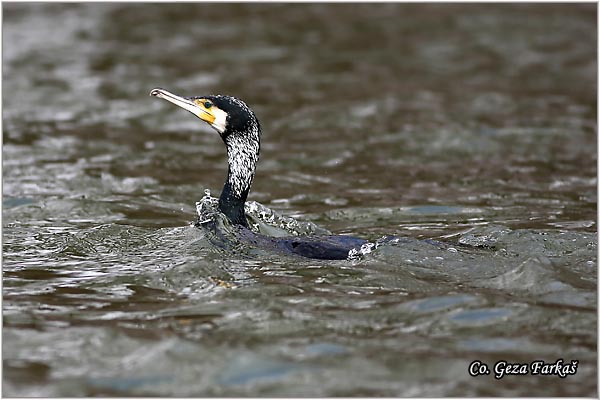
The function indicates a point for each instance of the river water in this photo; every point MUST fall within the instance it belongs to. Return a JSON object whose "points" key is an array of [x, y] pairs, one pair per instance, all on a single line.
{"points": [[473, 125]]}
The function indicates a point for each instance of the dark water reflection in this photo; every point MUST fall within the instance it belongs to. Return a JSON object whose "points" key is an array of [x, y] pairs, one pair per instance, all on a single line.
{"points": [[471, 124]]}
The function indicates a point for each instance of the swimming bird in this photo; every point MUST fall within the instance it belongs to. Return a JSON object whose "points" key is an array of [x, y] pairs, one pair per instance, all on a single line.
{"points": [[239, 128]]}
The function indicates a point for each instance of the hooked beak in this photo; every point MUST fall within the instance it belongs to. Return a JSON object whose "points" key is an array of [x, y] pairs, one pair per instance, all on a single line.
{"points": [[184, 103]]}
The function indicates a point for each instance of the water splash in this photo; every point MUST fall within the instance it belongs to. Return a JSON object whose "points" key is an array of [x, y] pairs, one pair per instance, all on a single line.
{"points": [[262, 219], [367, 248], [207, 207]]}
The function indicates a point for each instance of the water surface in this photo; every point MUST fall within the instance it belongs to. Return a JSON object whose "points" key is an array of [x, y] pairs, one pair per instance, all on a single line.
{"points": [[473, 125]]}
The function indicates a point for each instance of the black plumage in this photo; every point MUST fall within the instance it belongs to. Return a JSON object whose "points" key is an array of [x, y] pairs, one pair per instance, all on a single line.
{"points": [[239, 129]]}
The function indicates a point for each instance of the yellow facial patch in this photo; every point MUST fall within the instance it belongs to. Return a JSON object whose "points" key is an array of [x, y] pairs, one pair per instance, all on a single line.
{"points": [[207, 107]]}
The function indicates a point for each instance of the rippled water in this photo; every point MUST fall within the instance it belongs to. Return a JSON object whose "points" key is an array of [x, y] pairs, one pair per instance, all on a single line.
{"points": [[472, 125]]}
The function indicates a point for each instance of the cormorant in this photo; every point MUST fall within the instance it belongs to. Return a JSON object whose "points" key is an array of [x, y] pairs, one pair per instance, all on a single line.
{"points": [[239, 128]]}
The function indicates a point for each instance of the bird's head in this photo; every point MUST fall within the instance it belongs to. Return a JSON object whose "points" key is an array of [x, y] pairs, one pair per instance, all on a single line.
{"points": [[239, 128], [227, 115]]}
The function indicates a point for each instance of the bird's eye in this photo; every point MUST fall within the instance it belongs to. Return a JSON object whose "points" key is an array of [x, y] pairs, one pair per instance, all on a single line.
{"points": [[207, 104]]}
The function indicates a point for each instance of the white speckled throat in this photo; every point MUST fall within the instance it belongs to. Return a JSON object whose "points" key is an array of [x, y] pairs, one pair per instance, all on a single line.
{"points": [[242, 156]]}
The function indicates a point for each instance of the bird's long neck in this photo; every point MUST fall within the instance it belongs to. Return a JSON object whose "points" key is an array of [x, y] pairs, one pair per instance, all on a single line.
{"points": [[242, 157]]}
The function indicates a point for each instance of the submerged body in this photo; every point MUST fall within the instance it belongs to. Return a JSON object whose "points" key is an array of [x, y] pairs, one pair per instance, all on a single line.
{"points": [[330, 247], [239, 129]]}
